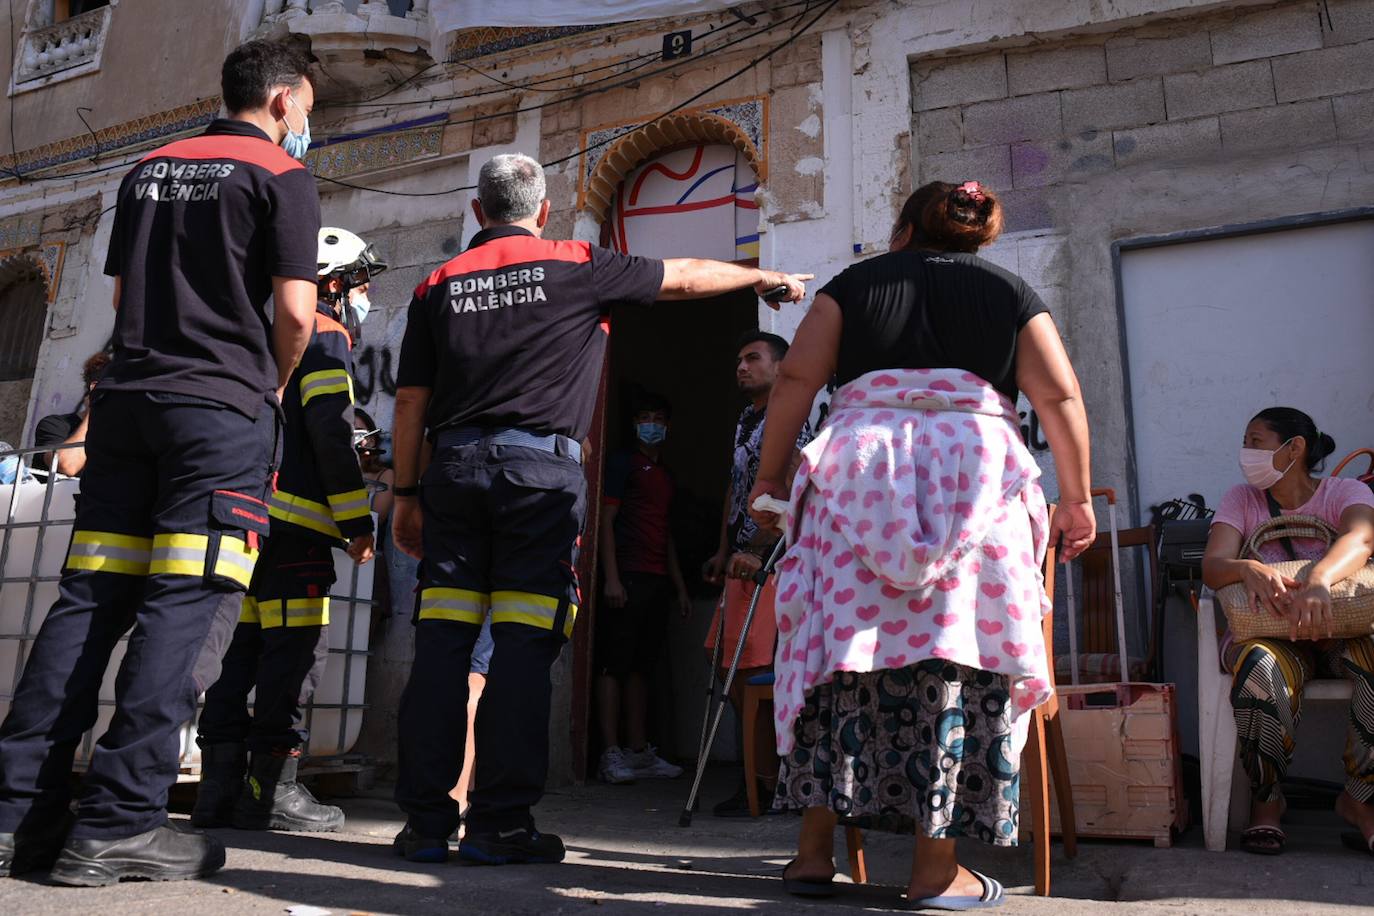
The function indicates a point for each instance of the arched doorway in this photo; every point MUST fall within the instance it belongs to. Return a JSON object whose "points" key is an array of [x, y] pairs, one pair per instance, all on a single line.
{"points": [[23, 316], [693, 196]]}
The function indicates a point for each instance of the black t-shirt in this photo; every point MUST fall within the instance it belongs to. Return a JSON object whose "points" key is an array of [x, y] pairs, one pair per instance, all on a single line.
{"points": [[511, 333], [202, 227], [53, 430], [932, 310]]}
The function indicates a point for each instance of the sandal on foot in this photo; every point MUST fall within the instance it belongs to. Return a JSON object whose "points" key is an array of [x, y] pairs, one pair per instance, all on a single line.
{"points": [[1263, 841], [1353, 839], [806, 887], [993, 896]]}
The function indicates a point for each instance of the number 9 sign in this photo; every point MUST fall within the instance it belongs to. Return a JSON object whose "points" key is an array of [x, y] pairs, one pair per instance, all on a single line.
{"points": [[677, 44]]}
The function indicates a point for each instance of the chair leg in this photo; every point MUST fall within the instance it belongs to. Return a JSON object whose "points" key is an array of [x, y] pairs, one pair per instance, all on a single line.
{"points": [[854, 842], [1035, 779], [1059, 768], [751, 779], [1217, 744]]}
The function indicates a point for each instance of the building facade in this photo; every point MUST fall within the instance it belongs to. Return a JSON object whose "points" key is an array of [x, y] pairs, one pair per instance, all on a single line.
{"points": [[1187, 182]]}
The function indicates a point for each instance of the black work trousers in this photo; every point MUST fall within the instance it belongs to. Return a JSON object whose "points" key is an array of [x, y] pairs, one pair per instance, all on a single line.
{"points": [[501, 531], [279, 647], [166, 535]]}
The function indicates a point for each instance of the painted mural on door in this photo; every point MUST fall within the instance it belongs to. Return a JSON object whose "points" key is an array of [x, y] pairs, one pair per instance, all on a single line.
{"points": [[691, 202]]}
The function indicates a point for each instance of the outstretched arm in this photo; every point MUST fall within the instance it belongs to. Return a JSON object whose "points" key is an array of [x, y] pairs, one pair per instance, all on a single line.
{"points": [[695, 278]]}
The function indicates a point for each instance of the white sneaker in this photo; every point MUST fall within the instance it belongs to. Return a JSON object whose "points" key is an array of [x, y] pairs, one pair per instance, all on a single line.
{"points": [[614, 767], [648, 764]]}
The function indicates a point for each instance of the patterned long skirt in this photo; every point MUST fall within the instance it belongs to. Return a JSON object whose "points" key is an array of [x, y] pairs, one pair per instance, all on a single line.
{"points": [[1266, 694], [923, 748]]}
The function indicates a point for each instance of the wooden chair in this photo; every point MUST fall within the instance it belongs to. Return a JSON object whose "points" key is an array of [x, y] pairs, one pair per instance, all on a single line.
{"points": [[1046, 756], [1043, 757]]}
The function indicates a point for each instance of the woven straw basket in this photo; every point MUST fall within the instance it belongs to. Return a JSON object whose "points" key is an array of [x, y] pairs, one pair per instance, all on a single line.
{"points": [[1352, 599]]}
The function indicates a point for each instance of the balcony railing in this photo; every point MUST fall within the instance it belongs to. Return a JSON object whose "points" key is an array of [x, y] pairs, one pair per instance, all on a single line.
{"points": [[64, 49]]}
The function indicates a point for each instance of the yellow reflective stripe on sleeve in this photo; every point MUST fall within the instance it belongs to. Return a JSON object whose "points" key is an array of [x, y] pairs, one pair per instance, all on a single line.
{"points": [[304, 512], [249, 611], [235, 560], [104, 551], [458, 604], [300, 612], [530, 609], [179, 554], [326, 381], [346, 506]]}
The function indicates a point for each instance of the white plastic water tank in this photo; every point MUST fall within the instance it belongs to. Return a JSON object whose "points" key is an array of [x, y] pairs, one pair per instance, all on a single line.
{"points": [[335, 715]]}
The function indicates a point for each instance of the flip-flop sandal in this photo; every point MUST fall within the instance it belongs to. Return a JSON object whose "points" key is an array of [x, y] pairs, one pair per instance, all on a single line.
{"points": [[993, 896], [1263, 841], [1353, 839], [806, 887]]}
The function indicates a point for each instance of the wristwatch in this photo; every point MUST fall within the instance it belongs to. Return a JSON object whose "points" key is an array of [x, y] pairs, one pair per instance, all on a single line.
{"points": [[411, 490]]}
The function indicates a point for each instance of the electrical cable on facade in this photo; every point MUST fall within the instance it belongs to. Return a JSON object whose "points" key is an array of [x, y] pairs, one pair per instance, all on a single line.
{"points": [[578, 153]]}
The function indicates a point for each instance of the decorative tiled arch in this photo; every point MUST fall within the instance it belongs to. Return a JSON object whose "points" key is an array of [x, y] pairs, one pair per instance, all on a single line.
{"points": [[741, 124]]}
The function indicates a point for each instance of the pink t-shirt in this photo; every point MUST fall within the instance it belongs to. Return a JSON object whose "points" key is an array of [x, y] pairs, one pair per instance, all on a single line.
{"points": [[1244, 508]]}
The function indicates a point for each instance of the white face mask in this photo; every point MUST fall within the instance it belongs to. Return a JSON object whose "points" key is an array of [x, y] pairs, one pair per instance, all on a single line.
{"points": [[1257, 464]]}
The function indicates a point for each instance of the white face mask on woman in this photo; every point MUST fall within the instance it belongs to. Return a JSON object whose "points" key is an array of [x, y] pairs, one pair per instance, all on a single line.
{"points": [[1257, 464]]}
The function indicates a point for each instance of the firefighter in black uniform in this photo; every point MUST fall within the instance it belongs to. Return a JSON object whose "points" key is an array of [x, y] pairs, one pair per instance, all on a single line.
{"points": [[281, 643], [184, 437], [501, 359]]}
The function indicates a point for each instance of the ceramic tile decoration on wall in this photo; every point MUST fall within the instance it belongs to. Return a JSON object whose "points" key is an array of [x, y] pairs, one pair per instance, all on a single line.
{"points": [[750, 116], [363, 154], [131, 133]]}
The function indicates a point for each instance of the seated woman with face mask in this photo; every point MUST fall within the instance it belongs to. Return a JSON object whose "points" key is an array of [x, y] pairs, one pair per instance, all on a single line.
{"points": [[1282, 448]]}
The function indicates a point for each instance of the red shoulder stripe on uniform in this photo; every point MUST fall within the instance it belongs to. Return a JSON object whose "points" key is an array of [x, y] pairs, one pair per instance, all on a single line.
{"points": [[252, 150], [509, 251], [326, 325]]}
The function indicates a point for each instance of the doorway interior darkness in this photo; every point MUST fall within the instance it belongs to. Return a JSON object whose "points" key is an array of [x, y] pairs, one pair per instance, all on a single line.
{"points": [[684, 351]]}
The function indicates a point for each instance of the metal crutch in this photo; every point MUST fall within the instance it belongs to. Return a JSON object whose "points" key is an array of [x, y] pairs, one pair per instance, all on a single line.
{"points": [[709, 737]]}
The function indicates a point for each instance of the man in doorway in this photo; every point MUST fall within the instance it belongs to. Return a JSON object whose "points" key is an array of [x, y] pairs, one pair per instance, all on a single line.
{"points": [[642, 579], [184, 439], [501, 360], [69, 428], [744, 547]]}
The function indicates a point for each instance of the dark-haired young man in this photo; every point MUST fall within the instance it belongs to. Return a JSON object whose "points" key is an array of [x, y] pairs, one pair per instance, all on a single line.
{"points": [[743, 546], [68, 428], [185, 434], [642, 580]]}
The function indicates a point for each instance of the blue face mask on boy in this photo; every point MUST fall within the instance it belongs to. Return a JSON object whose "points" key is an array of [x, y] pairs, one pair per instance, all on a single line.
{"points": [[651, 433], [296, 143]]}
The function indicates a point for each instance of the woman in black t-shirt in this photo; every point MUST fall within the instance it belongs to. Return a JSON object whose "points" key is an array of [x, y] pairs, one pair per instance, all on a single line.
{"points": [[910, 599]]}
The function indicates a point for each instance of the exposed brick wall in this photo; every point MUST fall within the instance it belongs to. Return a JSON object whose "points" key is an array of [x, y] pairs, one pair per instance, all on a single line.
{"points": [[1026, 120]]}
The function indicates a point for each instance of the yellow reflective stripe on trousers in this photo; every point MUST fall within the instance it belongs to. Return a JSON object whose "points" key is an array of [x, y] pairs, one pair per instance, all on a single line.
{"points": [[235, 560], [326, 381], [300, 612], [304, 512], [347, 506], [457, 604], [530, 609], [248, 613], [179, 554], [105, 551]]}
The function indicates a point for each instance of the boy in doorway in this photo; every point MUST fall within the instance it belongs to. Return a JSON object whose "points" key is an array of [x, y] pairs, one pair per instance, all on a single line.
{"points": [[743, 547], [642, 580]]}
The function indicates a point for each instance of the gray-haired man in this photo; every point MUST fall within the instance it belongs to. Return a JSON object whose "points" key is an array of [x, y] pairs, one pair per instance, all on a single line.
{"points": [[500, 361]]}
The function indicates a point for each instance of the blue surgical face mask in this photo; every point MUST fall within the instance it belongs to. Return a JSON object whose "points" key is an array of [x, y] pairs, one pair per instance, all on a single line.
{"points": [[651, 433], [296, 144], [359, 305]]}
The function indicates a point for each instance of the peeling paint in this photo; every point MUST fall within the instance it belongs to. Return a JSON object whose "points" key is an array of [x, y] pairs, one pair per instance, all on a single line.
{"points": [[811, 165], [811, 126]]}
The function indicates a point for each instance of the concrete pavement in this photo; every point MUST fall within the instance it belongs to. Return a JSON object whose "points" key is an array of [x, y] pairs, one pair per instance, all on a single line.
{"points": [[627, 854]]}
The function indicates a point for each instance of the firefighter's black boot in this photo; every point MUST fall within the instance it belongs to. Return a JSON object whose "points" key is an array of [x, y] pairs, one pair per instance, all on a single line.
{"points": [[273, 800], [222, 767]]}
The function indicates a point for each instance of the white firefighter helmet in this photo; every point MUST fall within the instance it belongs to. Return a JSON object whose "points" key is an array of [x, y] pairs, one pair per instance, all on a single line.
{"points": [[342, 253]]}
